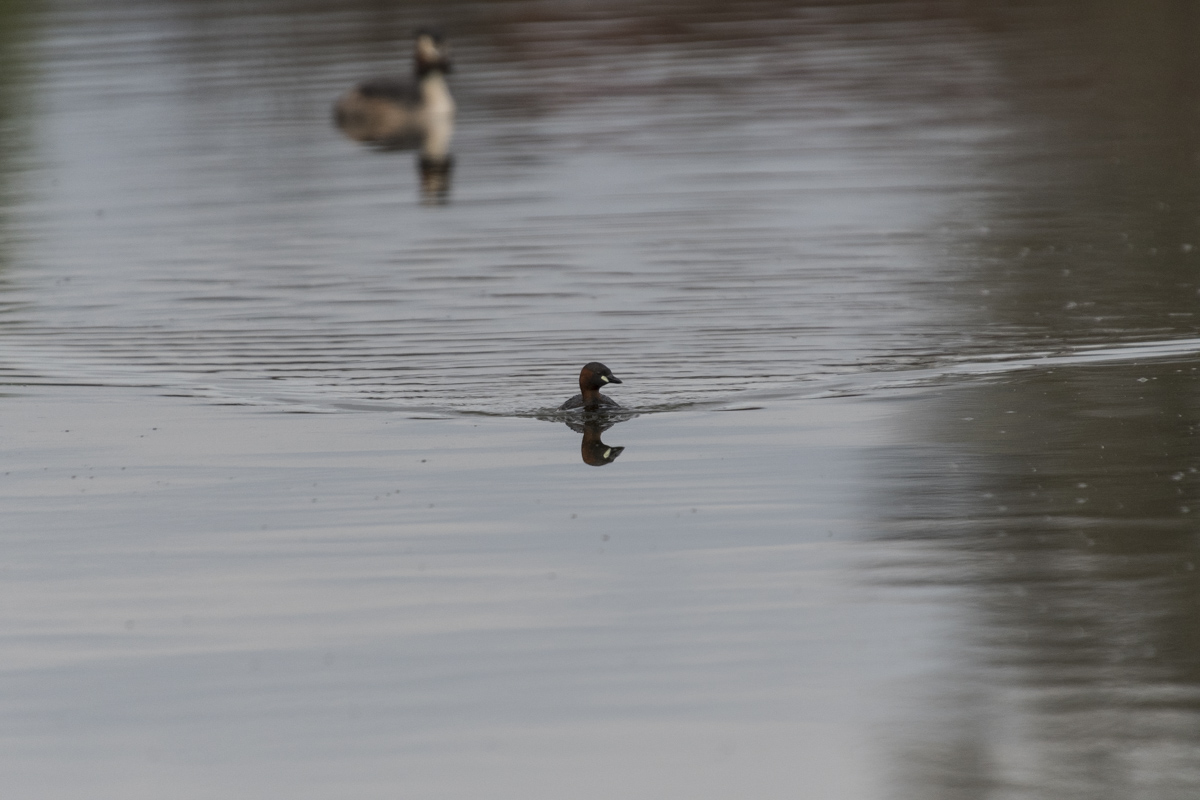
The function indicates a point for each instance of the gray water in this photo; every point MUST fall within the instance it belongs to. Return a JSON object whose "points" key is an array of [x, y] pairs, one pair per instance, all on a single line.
{"points": [[903, 296]]}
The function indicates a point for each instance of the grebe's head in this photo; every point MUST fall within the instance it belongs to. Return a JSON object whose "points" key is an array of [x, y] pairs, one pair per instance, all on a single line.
{"points": [[431, 51], [595, 376]]}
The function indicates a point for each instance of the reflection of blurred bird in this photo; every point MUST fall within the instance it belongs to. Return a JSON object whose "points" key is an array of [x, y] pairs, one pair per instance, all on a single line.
{"points": [[595, 452], [399, 114], [591, 378]]}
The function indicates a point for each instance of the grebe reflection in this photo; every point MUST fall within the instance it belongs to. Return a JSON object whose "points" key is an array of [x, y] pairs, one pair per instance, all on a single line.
{"points": [[595, 453]]}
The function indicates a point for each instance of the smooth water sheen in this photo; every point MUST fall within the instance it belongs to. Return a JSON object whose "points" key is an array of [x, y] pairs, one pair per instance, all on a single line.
{"points": [[904, 299]]}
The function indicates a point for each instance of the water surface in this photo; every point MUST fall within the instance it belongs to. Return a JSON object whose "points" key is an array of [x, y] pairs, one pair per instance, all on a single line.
{"points": [[903, 296]]}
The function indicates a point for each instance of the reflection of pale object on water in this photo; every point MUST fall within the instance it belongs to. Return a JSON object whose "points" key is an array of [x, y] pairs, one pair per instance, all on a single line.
{"points": [[435, 178], [397, 114]]}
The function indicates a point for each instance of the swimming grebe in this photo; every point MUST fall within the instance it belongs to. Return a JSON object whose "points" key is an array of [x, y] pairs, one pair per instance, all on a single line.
{"points": [[396, 113], [591, 378]]}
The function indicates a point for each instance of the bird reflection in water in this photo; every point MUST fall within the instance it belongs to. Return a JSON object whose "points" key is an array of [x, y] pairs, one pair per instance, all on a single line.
{"points": [[394, 114], [595, 452]]}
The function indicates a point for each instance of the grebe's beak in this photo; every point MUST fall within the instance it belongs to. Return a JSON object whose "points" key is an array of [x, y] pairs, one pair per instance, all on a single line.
{"points": [[608, 379]]}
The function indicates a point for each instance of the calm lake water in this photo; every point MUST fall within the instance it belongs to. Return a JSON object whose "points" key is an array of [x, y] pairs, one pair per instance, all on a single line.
{"points": [[905, 301]]}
